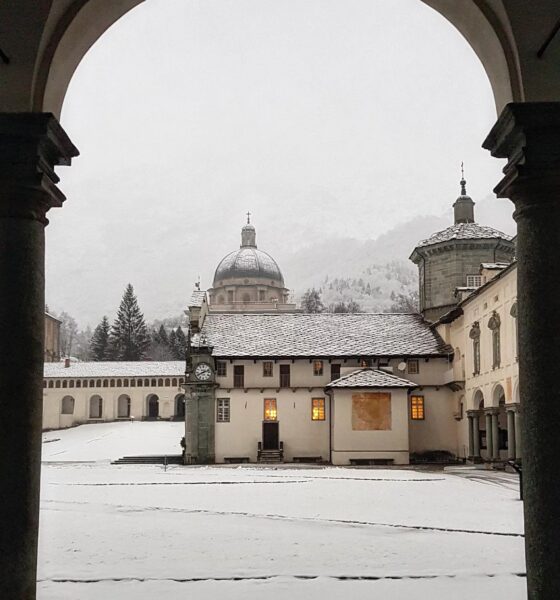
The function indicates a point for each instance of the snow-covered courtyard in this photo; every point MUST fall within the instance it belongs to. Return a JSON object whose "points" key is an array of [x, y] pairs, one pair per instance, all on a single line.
{"points": [[142, 532]]}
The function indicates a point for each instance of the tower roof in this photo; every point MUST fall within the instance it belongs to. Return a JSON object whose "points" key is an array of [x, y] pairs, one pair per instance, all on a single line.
{"points": [[464, 231], [248, 261]]}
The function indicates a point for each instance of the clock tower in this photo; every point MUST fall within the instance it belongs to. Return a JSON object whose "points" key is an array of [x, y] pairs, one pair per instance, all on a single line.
{"points": [[200, 388]]}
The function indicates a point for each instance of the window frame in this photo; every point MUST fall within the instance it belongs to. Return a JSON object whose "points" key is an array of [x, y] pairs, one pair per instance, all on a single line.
{"points": [[410, 363], [239, 377], [223, 410], [221, 368], [318, 368], [321, 409], [270, 409], [268, 363], [417, 407]]}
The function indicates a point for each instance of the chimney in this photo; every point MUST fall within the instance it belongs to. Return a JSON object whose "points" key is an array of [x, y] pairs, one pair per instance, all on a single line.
{"points": [[66, 363]]}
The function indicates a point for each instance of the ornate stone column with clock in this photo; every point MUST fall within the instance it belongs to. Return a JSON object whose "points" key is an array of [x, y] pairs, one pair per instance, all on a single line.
{"points": [[200, 394]]}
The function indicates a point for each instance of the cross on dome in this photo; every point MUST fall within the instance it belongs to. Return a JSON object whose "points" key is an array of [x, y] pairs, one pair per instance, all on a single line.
{"points": [[248, 218]]}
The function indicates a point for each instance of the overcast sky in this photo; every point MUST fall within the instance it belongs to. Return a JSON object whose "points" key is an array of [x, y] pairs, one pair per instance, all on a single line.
{"points": [[324, 118]]}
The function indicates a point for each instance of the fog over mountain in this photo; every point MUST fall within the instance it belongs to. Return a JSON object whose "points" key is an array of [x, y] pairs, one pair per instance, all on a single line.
{"points": [[189, 114]]}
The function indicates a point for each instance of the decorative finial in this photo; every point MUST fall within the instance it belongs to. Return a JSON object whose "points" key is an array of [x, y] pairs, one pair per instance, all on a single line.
{"points": [[248, 218], [463, 182], [197, 284]]}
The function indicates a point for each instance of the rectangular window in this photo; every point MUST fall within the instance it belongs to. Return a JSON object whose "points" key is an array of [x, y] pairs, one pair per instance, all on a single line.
{"points": [[413, 367], [221, 368], [270, 411], [261, 295], [317, 367], [474, 280], [222, 410], [284, 376], [230, 296], [238, 376], [417, 408], [267, 368], [317, 409], [335, 372]]}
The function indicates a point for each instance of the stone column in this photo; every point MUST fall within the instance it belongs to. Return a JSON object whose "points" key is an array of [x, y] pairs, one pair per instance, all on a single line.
{"points": [[471, 435], [495, 436], [489, 436], [476, 436], [30, 146], [528, 135], [511, 434], [518, 434]]}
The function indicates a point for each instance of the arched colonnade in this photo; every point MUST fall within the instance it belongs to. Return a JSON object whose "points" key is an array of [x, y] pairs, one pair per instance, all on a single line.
{"points": [[43, 42]]}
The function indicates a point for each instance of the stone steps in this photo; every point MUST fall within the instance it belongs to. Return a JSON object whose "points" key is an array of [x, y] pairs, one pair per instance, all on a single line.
{"points": [[270, 456], [172, 459]]}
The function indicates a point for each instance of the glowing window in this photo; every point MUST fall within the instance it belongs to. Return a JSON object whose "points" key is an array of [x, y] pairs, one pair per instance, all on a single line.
{"points": [[317, 367], [270, 410], [417, 408], [317, 409]]}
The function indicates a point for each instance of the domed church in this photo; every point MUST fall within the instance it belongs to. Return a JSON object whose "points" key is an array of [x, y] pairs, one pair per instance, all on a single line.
{"points": [[249, 280]]}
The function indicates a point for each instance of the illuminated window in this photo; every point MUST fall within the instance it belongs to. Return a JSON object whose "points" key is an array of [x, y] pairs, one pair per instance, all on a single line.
{"points": [[413, 367], [221, 368], [317, 367], [267, 368], [417, 408], [270, 411], [317, 409], [222, 410]]}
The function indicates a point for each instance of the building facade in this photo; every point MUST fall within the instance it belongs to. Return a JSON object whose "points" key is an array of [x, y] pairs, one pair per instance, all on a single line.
{"points": [[272, 384]]}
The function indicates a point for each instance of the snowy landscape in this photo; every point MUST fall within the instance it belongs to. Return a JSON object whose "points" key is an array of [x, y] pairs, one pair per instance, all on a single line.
{"points": [[143, 531]]}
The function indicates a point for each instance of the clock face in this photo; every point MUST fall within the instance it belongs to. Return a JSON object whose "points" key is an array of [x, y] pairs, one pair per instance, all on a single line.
{"points": [[203, 372]]}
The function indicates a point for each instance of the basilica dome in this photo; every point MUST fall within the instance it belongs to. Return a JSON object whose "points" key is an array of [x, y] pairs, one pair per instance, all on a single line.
{"points": [[248, 262]]}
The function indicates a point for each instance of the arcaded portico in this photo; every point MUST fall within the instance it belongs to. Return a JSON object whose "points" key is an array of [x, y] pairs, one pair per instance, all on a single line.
{"points": [[42, 43]]}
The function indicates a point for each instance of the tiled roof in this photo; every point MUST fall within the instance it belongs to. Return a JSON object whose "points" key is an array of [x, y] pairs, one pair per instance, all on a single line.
{"points": [[326, 334], [464, 231], [497, 266], [197, 298], [370, 378], [171, 368]]}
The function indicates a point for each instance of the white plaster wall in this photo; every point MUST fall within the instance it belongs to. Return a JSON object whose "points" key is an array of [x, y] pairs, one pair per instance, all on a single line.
{"points": [[302, 437], [348, 444], [52, 404]]}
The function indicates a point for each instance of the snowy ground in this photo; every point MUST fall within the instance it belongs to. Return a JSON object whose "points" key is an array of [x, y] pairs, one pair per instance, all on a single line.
{"points": [[140, 532]]}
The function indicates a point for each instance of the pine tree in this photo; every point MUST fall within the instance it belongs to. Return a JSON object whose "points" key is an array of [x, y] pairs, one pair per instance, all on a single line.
{"points": [[129, 336], [311, 302], [99, 344], [161, 336], [173, 343], [180, 344]]}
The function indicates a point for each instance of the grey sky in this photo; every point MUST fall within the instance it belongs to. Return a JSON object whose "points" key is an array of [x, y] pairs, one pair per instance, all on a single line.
{"points": [[325, 118]]}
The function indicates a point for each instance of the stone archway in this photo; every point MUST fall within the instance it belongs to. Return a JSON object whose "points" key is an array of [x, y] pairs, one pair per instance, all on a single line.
{"points": [[499, 402], [152, 407], [48, 39], [123, 406], [179, 407]]}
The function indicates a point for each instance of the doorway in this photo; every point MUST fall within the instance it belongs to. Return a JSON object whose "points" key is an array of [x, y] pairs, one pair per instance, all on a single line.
{"points": [[270, 435]]}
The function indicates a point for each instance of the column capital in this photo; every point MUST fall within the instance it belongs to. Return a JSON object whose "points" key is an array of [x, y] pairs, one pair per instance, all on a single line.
{"points": [[528, 135], [31, 145], [513, 407], [492, 410]]}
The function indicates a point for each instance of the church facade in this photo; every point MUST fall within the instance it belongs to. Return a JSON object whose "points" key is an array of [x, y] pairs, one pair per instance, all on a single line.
{"points": [[264, 382]]}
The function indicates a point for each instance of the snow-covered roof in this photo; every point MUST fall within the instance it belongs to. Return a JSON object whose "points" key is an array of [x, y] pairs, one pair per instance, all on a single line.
{"points": [[321, 335], [464, 231], [494, 266], [370, 378], [197, 298], [170, 368]]}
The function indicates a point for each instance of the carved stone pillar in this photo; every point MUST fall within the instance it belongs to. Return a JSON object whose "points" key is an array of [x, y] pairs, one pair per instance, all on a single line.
{"points": [[495, 435], [489, 435], [476, 436], [528, 135], [30, 146], [518, 433], [471, 435], [511, 434]]}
